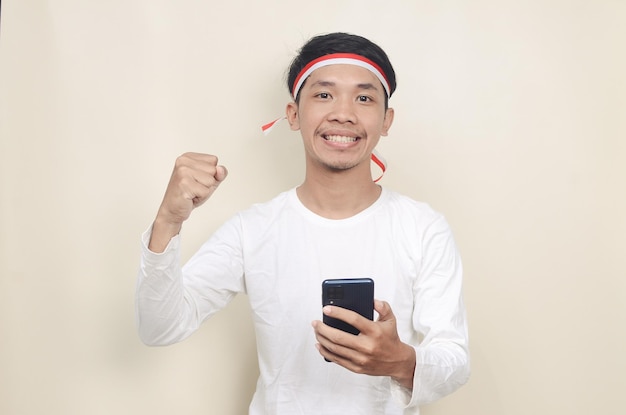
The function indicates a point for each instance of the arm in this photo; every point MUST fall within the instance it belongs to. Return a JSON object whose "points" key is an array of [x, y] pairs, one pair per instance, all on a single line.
{"points": [[439, 318], [436, 362], [163, 309]]}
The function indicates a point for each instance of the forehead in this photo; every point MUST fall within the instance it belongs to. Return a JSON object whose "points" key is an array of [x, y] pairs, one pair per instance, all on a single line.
{"points": [[345, 75]]}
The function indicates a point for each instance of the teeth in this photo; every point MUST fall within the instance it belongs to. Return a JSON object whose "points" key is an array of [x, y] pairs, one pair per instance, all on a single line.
{"points": [[340, 139]]}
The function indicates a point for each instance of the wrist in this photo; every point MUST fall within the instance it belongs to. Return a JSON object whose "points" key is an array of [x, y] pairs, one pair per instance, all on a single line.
{"points": [[406, 368], [162, 232]]}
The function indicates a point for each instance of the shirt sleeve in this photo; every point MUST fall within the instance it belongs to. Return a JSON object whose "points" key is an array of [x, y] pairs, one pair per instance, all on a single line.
{"points": [[439, 318], [158, 294], [172, 301]]}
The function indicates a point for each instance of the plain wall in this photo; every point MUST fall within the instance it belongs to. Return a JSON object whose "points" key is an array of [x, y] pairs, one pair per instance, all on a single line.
{"points": [[510, 119]]}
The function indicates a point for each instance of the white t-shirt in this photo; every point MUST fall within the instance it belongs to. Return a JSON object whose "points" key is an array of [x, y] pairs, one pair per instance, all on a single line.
{"points": [[278, 253]]}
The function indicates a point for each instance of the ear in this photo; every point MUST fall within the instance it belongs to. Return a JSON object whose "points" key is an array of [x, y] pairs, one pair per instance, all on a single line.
{"points": [[387, 122], [292, 116]]}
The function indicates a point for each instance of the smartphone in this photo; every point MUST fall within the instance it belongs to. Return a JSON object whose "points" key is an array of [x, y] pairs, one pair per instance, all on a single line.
{"points": [[356, 294]]}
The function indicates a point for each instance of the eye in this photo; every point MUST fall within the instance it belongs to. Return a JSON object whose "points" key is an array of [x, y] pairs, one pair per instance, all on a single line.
{"points": [[364, 98], [323, 95]]}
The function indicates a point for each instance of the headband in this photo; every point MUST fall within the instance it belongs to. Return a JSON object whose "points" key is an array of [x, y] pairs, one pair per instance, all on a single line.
{"points": [[338, 59]]}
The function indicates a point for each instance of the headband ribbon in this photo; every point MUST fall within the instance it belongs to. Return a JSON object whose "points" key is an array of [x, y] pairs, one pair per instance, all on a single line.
{"points": [[338, 59]]}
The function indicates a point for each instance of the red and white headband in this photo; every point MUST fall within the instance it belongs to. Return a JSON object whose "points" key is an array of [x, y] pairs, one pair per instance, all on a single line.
{"points": [[338, 59]]}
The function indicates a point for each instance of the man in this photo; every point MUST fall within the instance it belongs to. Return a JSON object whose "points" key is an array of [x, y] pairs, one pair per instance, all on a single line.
{"points": [[337, 224]]}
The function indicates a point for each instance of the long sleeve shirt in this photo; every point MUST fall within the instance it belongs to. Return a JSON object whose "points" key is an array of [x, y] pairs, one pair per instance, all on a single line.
{"points": [[278, 253]]}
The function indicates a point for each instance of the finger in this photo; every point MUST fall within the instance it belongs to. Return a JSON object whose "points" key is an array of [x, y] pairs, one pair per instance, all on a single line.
{"points": [[198, 175], [221, 173], [188, 189], [329, 355], [196, 181], [384, 310], [199, 157], [195, 161], [208, 176], [211, 182], [334, 344], [351, 317], [362, 324], [328, 335], [348, 358]]}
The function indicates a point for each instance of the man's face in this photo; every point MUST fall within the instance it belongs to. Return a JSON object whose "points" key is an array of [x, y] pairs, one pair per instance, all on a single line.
{"points": [[341, 116]]}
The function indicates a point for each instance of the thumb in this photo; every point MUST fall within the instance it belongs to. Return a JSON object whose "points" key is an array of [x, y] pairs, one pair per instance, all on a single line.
{"points": [[221, 173], [384, 310]]}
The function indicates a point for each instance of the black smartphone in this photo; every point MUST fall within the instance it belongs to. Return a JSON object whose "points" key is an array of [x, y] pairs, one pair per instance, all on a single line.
{"points": [[356, 294]]}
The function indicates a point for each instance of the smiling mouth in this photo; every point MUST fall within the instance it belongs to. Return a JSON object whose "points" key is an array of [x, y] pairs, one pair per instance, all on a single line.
{"points": [[340, 138]]}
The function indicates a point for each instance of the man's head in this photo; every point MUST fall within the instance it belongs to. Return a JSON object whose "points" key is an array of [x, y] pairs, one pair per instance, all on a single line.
{"points": [[341, 43], [341, 84]]}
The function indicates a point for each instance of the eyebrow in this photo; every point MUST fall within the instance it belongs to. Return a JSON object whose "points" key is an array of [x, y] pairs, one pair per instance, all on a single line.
{"points": [[323, 83], [367, 86]]}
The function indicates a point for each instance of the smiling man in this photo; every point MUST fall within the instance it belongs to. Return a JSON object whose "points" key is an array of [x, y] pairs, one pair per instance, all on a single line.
{"points": [[337, 224]]}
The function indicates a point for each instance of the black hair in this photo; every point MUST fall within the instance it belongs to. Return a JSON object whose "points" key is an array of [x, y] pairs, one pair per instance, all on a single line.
{"points": [[339, 42]]}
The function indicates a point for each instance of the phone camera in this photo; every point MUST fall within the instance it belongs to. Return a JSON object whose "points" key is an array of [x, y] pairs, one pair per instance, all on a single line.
{"points": [[335, 293]]}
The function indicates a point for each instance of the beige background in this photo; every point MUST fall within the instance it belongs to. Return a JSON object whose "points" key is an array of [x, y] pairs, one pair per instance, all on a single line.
{"points": [[510, 119]]}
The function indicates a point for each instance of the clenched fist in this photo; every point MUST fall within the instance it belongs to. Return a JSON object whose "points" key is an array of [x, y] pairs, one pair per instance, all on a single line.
{"points": [[193, 181]]}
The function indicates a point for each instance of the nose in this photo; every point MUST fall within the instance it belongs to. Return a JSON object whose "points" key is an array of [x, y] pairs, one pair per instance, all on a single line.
{"points": [[342, 111]]}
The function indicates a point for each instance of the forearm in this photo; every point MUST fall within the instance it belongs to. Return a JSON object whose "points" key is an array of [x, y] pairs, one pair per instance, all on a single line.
{"points": [[405, 368], [437, 374], [439, 319], [172, 301], [440, 370], [160, 296]]}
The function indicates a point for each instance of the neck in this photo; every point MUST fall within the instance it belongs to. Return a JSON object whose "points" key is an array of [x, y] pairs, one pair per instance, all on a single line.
{"points": [[338, 195]]}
